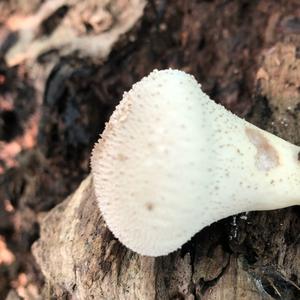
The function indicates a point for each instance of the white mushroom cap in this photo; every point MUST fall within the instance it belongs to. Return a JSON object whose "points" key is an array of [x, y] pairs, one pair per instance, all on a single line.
{"points": [[171, 161]]}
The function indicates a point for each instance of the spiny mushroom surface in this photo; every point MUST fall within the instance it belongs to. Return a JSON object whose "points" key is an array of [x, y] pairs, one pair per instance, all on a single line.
{"points": [[171, 161]]}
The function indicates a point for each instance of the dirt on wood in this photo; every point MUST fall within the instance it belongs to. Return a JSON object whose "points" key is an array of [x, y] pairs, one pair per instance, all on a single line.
{"points": [[55, 98]]}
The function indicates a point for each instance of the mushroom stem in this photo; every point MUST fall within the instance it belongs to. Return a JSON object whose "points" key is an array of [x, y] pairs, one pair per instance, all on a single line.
{"points": [[171, 161]]}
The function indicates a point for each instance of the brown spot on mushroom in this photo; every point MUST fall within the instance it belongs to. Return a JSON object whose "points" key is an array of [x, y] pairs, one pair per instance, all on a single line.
{"points": [[266, 156], [121, 157], [149, 206]]}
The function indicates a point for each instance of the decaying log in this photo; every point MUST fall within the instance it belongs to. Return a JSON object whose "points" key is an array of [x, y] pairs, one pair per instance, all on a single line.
{"points": [[89, 28], [253, 256], [91, 262]]}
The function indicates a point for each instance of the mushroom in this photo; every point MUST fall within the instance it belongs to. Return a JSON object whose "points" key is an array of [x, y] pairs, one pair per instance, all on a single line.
{"points": [[171, 161]]}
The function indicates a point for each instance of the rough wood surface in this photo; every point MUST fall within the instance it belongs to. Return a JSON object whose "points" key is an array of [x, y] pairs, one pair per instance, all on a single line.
{"points": [[251, 256], [91, 28]]}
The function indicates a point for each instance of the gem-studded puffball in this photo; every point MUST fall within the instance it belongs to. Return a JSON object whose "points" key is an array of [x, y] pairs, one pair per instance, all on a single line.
{"points": [[171, 161]]}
